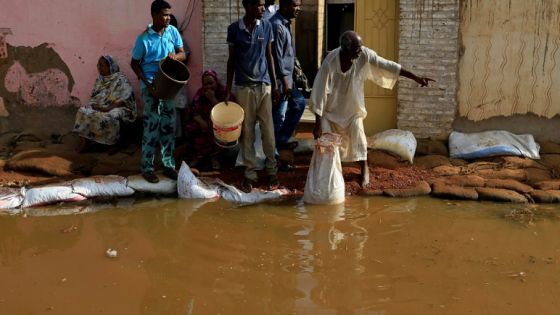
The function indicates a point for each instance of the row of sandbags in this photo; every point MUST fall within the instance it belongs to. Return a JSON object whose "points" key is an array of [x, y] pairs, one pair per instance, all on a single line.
{"points": [[188, 186]]}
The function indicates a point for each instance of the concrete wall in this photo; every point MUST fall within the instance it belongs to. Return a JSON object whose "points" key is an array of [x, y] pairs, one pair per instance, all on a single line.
{"points": [[49, 51], [218, 15], [429, 46]]}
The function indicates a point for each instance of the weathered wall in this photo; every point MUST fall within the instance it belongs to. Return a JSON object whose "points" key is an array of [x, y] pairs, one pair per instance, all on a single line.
{"points": [[429, 46], [49, 51], [510, 60], [509, 67], [218, 15]]}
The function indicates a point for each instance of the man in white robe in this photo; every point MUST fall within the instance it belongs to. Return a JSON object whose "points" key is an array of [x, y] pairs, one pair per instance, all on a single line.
{"points": [[337, 97]]}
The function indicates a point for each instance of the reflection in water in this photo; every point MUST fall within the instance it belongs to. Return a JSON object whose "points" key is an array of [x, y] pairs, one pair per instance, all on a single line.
{"points": [[367, 256]]}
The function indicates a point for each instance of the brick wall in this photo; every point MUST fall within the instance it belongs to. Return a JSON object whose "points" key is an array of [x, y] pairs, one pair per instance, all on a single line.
{"points": [[429, 46], [218, 15]]}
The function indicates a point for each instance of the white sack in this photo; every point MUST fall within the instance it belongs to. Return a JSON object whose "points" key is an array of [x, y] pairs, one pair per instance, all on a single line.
{"points": [[325, 183], [11, 198], [399, 142], [165, 186], [232, 194], [102, 186], [50, 194], [190, 187], [491, 143]]}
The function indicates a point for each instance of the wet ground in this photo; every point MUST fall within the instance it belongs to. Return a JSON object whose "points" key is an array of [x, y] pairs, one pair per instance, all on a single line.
{"points": [[371, 255]]}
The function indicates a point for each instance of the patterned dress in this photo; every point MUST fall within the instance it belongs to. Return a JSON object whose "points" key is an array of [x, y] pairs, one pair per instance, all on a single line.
{"points": [[104, 127]]}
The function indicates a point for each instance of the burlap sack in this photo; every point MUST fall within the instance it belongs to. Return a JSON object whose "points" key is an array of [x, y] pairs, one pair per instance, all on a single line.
{"points": [[509, 184], [431, 161], [442, 190], [498, 194], [50, 162], [420, 189], [546, 196]]}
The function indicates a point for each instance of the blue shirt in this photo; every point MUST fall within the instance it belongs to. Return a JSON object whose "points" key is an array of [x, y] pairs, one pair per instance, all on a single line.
{"points": [[283, 49], [250, 52], [151, 47]]}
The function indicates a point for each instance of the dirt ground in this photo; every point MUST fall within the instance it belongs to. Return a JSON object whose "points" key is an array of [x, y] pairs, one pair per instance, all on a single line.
{"points": [[28, 160]]}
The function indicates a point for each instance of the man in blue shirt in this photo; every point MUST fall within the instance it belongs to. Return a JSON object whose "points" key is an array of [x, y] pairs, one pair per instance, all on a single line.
{"points": [[160, 40], [286, 113], [250, 59]]}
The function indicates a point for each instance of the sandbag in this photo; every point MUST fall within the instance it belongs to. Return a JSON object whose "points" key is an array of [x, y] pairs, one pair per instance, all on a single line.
{"points": [[419, 189], [11, 198], [509, 184], [535, 175], [165, 186], [102, 186], [431, 161], [546, 196], [491, 143], [49, 162], [399, 142], [190, 187], [548, 185], [445, 170], [519, 175], [232, 194], [49, 194], [325, 183], [442, 190], [498, 194]]}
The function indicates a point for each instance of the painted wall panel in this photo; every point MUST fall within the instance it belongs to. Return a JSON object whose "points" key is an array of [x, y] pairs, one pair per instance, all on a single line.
{"points": [[511, 59], [55, 44]]}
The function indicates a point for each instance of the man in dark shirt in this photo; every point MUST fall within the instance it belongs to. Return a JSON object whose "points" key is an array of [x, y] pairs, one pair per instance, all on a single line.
{"points": [[286, 113], [250, 59]]}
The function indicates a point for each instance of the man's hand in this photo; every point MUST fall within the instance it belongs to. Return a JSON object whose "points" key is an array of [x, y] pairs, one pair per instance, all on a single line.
{"points": [[228, 95], [172, 56], [423, 81], [275, 96]]}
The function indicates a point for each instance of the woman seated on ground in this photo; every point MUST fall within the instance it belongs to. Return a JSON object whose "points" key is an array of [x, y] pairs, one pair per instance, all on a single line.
{"points": [[111, 102], [198, 127]]}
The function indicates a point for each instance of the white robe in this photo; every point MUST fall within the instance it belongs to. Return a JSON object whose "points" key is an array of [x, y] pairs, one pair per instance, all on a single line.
{"points": [[339, 97]]}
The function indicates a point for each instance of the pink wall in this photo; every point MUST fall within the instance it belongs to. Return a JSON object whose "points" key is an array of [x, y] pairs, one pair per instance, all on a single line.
{"points": [[81, 31]]}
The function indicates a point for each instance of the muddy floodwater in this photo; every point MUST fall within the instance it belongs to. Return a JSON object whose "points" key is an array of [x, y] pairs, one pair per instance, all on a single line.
{"points": [[371, 255]]}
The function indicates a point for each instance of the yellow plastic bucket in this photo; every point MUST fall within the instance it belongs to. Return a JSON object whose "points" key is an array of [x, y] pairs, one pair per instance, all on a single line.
{"points": [[226, 122]]}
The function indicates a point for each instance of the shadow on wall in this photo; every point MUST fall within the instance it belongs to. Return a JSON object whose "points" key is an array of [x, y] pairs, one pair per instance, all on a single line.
{"points": [[35, 90]]}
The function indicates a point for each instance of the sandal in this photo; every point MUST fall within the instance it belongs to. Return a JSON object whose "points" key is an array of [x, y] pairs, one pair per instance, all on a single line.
{"points": [[247, 185], [273, 182], [150, 177]]}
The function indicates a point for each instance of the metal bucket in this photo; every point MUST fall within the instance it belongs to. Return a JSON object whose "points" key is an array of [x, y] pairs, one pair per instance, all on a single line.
{"points": [[170, 78]]}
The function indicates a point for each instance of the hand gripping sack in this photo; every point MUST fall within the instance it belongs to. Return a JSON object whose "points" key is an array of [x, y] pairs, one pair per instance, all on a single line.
{"points": [[325, 184]]}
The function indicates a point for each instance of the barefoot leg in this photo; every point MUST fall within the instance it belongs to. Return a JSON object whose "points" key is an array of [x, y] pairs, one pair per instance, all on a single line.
{"points": [[365, 173]]}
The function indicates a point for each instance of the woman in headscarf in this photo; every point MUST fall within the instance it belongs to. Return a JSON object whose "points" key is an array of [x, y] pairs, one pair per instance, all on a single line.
{"points": [[112, 101], [198, 126]]}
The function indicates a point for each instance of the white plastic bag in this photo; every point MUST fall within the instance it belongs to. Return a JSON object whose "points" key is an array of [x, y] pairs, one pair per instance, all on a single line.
{"points": [[260, 158], [325, 183], [98, 186], [50, 194], [400, 142], [190, 187], [492, 143], [165, 186], [11, 198], [232, 194]]}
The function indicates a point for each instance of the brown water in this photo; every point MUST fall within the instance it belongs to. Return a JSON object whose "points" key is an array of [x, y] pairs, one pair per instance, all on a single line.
{"points": [[369, 256]]}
